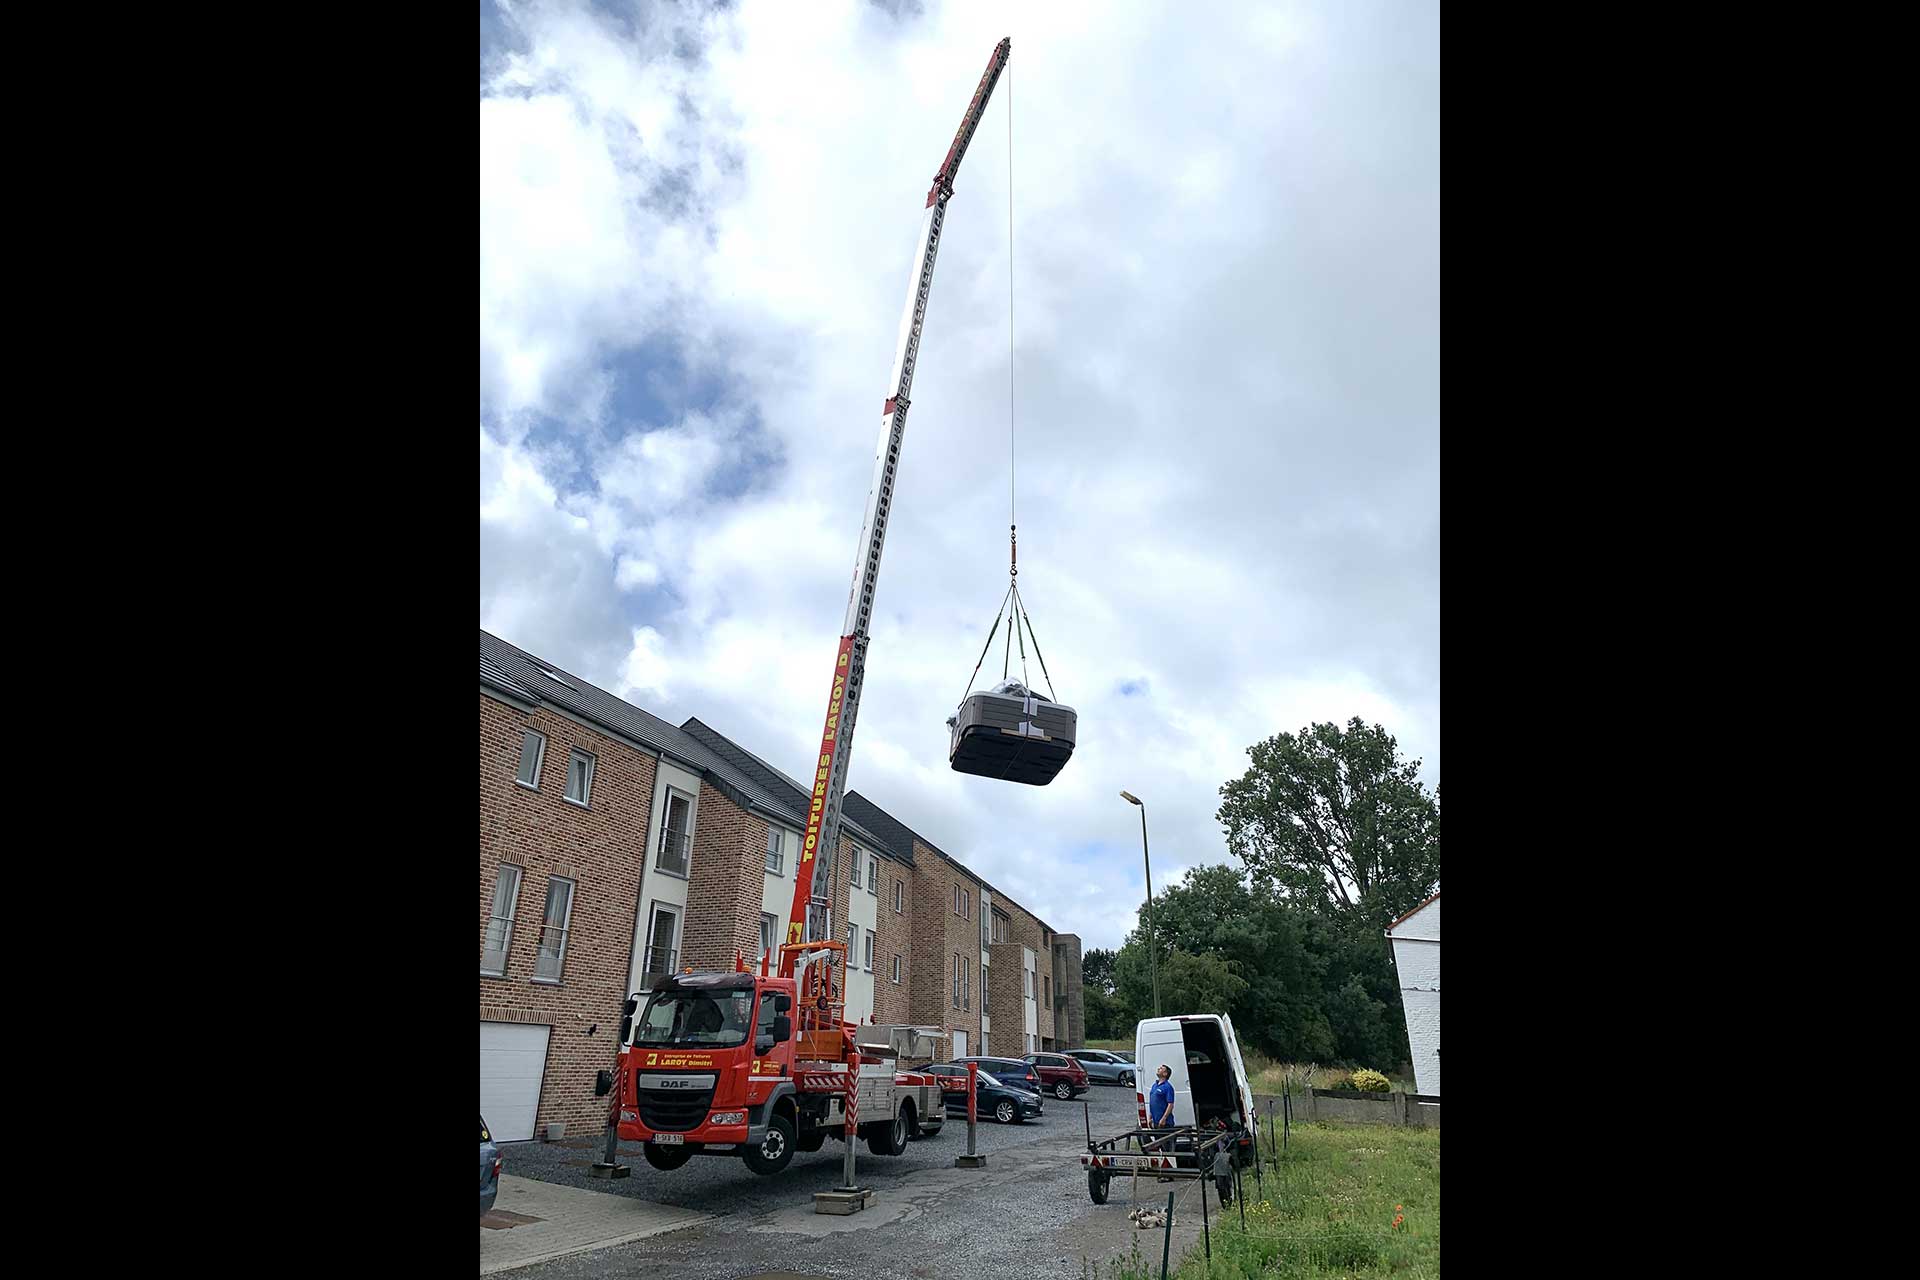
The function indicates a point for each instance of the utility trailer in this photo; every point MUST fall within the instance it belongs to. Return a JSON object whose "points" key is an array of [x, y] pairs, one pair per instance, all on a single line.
{"points": [[1185, 1153]]}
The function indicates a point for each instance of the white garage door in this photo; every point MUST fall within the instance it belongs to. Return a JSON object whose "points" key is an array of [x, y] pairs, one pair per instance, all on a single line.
{"points": [[513, 1057]]}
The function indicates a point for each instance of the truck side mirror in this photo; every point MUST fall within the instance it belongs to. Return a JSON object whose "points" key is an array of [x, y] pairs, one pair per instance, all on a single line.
{"points": [[603, 1084], [631, 1007], [782, 1002], [782, 1028], [626, 1028]]}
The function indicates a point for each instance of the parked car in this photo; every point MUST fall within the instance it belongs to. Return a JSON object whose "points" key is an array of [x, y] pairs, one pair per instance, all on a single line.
{"points": [[489, 1169], [1103, 1067], [1125, 1055], [1059, 1074], [1017, 1072], [1002, 1101]]}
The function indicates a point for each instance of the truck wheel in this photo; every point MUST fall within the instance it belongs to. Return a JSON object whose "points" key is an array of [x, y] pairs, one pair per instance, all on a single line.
{"points": [[665, 1157], [1062, 1090], [1005, 1112], [891, 1140], [1097, 1181], [811, 1140], [775, 1151]]}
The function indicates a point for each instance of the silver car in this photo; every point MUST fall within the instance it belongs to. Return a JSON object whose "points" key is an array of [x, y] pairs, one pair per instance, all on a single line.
{"points": [[1104, 1067], [489, 1169]]}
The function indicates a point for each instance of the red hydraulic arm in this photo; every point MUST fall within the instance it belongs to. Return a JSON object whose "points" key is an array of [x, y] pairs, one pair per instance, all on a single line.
{"points": [[808, 918]]}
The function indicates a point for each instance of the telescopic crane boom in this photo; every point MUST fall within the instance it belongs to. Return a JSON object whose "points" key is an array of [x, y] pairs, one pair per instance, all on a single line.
{"points": [[807, 919]]}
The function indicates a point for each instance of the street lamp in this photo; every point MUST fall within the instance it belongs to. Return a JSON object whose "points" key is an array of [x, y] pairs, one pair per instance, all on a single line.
{"points": [[1153, 963]]}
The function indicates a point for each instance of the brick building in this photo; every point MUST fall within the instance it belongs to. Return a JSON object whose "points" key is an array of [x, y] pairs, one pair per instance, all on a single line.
{"points": [[615, 847]]}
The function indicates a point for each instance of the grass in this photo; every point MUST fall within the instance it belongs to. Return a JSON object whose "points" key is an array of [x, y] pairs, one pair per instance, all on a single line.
{"points": [[1269, 1076], [1327, 1208]]}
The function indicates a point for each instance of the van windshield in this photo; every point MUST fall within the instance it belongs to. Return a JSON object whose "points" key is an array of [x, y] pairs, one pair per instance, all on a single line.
{"points": [[715, 1018]]}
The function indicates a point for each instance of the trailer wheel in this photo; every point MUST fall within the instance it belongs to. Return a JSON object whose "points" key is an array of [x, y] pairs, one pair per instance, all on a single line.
{"points": [[775, 1151], [665, 1157], [1097, 1182]]}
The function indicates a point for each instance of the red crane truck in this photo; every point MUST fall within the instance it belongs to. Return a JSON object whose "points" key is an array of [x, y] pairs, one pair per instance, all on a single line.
{"points": [[761, 1064]]}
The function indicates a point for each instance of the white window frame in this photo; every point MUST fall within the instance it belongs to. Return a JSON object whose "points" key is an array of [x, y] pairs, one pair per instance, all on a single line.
{"points": [[853, 944], [896, 970], [678, 913], [769, 932], [868, 953], [873, 875], [853, 870], [660, 841], [493, 914], [539, 759], [896, 897], [586, 790], [956, 979], [776, 851], [966, 904], [566, 924]]}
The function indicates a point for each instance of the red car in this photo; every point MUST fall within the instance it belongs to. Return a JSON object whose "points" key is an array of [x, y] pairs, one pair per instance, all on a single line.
{"points": [[1059, 1075]]}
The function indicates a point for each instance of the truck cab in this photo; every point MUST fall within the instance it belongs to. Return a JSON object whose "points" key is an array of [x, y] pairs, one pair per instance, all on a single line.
{"points": [[704, 1066]]}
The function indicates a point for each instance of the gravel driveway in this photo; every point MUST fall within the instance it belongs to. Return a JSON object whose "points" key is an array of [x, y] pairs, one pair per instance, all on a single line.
{"points": [[1023, 1217]]}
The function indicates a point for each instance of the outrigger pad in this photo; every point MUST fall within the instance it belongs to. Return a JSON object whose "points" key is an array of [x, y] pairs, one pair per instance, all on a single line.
{"points": [[1013, 738]]}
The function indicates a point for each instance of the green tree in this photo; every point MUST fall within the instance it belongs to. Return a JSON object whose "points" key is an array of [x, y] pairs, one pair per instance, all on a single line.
{"points": [[1337, 821]]}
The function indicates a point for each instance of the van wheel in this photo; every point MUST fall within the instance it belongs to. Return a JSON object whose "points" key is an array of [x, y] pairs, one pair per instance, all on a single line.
{"points": [[775, 1151], [1097, 1182], [665, 1157], [1062, 1090]]}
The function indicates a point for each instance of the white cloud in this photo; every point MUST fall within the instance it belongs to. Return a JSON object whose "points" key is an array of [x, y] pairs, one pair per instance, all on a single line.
{"points": [[1226, 271]]}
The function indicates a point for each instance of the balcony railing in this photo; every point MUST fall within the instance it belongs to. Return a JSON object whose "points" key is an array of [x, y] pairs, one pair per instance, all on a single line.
{"points": [[674, 846], [660, 962]]}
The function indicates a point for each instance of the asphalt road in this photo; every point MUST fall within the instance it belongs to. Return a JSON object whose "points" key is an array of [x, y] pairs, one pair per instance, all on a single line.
{"points": [[1025, 1216]]}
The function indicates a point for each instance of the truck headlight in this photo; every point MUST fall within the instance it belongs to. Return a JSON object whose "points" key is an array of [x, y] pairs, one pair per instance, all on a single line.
{"points": [[629, 1117], [729, 1117]]}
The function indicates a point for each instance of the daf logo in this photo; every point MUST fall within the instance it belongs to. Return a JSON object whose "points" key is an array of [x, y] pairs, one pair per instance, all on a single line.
{"points": [[656, 1081]]}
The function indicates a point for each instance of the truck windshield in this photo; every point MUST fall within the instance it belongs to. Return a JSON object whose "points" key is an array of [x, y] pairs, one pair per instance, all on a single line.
{"points": [[718, 1018]]}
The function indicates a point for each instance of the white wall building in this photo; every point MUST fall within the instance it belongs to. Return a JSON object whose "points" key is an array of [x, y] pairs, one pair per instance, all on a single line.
{"points": [[1416, 956]]}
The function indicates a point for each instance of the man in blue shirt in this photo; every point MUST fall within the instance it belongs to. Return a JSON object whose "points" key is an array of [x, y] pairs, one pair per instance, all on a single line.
{"points": [[1160, 1099]]}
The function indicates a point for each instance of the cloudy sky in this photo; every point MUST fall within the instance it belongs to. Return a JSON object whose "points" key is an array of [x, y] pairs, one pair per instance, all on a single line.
{"points": [[696, 226]]}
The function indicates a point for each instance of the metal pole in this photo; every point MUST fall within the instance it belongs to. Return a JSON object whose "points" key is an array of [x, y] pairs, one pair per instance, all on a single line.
{"points": [[973, 1091], [1166, 1241], [1205, 1231], [853, 1119], [1153, 961]]}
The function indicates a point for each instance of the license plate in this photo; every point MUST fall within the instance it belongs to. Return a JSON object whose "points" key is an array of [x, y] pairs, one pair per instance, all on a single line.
{"points": [[668, 1139]]}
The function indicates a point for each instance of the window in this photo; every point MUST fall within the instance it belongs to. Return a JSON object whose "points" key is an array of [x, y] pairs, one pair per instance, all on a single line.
{"points": [[896, 968], [853, 872], [966, 985], [966, 903], [999, 927], [853, 945], [506, 896], [579, 776], [896, 896], [1026, 988], [533, 749], [553, 931], [674, 839], [956, 899], [1046, 984], [769, 928], [956, 979], [776, 851], [873, 876], [869, 952]]}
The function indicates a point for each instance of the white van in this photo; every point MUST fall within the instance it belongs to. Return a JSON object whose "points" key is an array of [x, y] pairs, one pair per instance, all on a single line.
{"points": [[1208, 1075]]}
